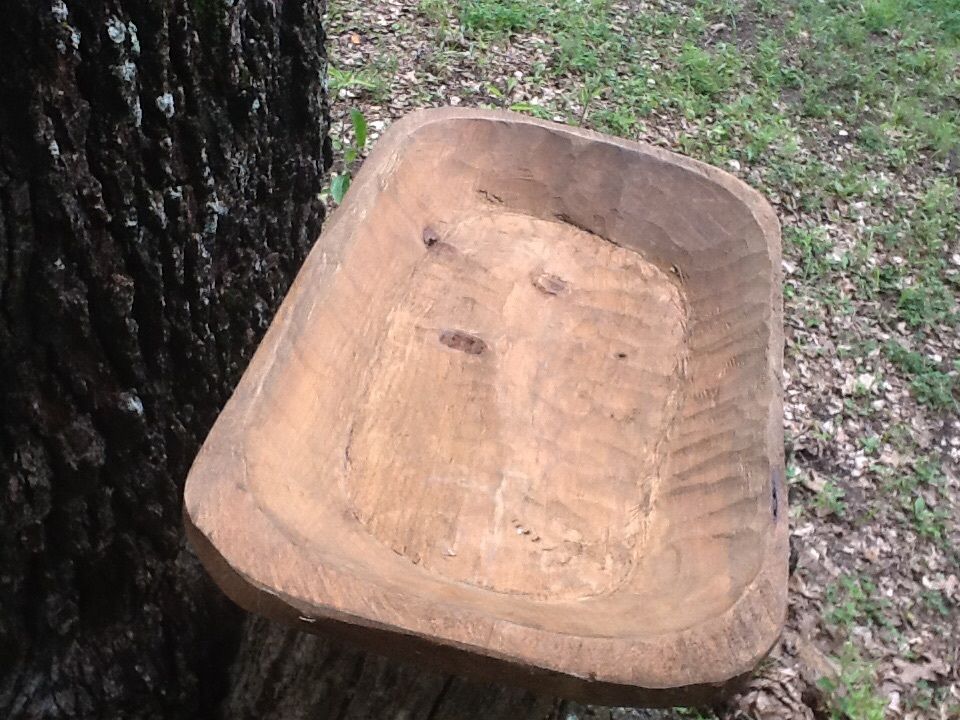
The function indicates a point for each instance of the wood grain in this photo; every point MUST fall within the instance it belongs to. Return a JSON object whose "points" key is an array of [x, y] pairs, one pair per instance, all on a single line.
{"points": [[520, 413]]}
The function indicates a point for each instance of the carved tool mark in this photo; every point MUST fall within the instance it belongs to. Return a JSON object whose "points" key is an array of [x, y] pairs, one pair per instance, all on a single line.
{"points": [[462, 341], [430, 236], [550, 284]]}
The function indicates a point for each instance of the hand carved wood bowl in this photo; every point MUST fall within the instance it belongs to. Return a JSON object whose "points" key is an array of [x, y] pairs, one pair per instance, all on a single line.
{"points": [[519, 417]]}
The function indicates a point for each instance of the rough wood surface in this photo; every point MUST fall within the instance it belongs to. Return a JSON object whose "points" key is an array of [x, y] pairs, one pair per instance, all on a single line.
{"points": [[283, 674], [159, 165], [519, 416]]}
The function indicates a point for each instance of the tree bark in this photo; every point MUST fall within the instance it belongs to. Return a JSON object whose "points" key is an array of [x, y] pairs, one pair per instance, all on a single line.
{"points": [[159, 168], [282, 674]]}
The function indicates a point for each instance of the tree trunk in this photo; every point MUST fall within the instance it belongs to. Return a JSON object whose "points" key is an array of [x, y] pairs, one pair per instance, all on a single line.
{"points": [[282, 674], [159, 168]]}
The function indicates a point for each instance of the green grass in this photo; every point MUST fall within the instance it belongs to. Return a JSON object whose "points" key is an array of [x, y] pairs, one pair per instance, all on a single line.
{"points": [[831, 499], [501, 17], [929, 522], [928, 382], [936, 601], [811, 246], [854, 693], [886, 65], [853, 600], [367, 80], [928, 302], [878, 51], [907, 489], [435, 11], [930, 700]]}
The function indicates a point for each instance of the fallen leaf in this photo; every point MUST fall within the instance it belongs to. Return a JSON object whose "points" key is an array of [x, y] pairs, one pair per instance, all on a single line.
{"points": [[910, 673]]}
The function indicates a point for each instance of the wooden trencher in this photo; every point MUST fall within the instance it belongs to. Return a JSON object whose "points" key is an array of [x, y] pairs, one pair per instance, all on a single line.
{"points": [[519, 417]]}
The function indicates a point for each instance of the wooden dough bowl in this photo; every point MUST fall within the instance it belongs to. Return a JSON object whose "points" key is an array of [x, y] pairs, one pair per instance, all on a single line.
{"points": [[519, 417]]}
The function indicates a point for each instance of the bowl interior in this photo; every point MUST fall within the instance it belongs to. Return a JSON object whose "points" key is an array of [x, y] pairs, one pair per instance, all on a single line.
{"points": [[539, 383]]}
